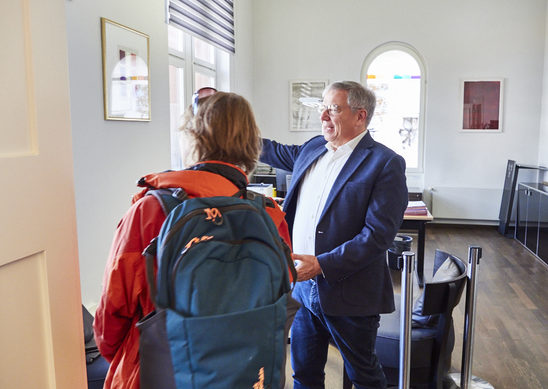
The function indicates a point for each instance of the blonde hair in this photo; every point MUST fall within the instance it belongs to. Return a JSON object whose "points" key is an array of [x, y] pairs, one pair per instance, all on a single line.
{"points": [[224, 129]]}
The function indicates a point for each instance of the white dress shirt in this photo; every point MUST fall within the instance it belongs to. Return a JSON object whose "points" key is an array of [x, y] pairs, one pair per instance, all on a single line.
{"points": [[313, 193]]}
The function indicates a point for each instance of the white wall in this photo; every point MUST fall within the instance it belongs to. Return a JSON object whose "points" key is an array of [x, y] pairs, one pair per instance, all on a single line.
{"points": [[321, 39], [110, 156], [242, 78]]}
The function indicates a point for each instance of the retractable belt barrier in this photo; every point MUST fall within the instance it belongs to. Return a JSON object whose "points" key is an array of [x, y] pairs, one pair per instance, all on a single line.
{"points": [[408, 258], [465, 378]]}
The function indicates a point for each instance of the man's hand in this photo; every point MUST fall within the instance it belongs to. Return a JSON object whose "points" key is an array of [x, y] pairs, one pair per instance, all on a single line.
{"points": [[307, 266]]}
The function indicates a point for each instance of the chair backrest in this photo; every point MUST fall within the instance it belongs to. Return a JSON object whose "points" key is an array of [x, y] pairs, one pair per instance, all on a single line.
{"points": [[432, 335], [442, 296]]}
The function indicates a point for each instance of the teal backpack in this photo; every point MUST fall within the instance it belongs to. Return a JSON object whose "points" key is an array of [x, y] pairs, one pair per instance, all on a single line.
{"points": [[222, 295]]}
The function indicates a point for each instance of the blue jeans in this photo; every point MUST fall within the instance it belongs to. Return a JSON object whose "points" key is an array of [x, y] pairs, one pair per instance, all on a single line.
{"points": [[354, 336]]}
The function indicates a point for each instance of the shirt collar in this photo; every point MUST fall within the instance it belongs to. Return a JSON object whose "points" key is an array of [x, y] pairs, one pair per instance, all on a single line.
{"points": [[348, 146]]}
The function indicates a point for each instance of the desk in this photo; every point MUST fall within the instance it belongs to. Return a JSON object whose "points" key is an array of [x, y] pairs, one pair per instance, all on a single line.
{"points": [[418, 223]]}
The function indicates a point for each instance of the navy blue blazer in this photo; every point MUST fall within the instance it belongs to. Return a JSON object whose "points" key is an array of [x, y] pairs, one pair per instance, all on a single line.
{"points": [[362, 215]]}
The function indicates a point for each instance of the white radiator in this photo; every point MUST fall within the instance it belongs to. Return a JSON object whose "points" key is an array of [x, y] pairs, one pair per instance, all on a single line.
{"points": [[465, 203]]}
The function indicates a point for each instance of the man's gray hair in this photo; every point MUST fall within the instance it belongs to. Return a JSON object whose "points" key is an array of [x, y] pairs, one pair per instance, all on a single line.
{"points": [[359, 97]]}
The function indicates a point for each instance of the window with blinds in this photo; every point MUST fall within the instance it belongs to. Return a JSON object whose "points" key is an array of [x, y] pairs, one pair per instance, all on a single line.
{"points": [[210, 20], [193, 64]]}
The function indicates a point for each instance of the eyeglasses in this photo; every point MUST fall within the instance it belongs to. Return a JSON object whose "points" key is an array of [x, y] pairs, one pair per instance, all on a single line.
{"points": [[200, 94], [333, 109]]}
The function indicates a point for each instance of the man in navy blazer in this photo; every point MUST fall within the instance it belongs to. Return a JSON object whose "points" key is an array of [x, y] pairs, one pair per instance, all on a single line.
{"points": [[344, 207]]}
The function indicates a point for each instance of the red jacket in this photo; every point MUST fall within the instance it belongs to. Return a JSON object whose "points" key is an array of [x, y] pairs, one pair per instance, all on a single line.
{"points": [[125, 297]]}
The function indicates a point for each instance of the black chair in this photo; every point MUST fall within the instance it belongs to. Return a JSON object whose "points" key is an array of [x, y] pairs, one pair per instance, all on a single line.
{"points": [[432, 334]]}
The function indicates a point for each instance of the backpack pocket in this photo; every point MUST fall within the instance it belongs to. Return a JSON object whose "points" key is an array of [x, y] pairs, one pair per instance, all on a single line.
{"points": [[236, 350], [156, 369]]}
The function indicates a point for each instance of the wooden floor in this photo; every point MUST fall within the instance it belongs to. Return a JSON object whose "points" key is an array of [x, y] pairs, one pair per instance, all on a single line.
{"points": [[511, 331], [510, 350]]}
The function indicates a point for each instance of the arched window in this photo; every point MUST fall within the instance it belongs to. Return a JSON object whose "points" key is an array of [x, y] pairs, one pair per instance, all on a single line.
{"points": [[396, 73]]}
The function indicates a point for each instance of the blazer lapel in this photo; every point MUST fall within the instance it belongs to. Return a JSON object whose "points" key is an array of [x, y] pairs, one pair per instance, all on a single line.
{"points": [[359, 154]]}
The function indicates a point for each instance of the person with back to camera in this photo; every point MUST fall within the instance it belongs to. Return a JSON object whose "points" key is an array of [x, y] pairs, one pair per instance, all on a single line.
{"points": [[227, 145], [344, 207]]}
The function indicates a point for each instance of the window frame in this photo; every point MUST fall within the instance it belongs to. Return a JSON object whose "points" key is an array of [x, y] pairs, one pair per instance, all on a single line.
{"points": [[221, 71], [408, 49]]}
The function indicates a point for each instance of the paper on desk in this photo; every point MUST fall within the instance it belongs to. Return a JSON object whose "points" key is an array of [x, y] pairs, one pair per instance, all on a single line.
{"points": [[416, 204]]}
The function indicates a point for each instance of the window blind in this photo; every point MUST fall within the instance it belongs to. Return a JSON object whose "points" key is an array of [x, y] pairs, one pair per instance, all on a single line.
{"points": [[211, 20]]}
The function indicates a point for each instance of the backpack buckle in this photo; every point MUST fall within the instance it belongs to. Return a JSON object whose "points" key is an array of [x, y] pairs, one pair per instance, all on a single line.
{"points": [[180, 194]]}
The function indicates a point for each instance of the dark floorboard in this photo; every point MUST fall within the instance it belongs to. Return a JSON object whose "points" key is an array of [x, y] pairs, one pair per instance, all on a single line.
{"points": [[510, 348]]}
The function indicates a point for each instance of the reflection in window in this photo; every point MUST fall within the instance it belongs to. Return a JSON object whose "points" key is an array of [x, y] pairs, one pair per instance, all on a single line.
{"points": [[395, 76]]}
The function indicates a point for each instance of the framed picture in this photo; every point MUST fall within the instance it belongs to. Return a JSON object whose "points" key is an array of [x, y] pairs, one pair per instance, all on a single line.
{"points": [[482, 105], [304, 99], [126, 72]]}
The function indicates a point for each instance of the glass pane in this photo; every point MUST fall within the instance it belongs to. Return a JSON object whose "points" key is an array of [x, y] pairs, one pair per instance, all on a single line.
{"points": [[176, 110], [175, 39], [396, 79], [202, 79], [222, 70], [203, 51]]}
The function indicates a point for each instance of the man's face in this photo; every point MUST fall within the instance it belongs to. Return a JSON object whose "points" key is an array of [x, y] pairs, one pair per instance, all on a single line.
{"points": [[340, 127]]}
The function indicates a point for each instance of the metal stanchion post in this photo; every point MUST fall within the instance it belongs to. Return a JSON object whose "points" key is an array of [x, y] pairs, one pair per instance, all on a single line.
{"points": [[465, 378], [405, 318]]}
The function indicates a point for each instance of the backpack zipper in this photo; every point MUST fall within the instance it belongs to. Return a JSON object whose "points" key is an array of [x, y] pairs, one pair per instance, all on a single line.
{"points": [[186, 250], [177, 226]]}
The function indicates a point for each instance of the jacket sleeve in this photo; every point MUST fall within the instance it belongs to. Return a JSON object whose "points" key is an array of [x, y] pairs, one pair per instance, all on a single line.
{"points": [[279, 155], [124, 297], [283, 157], [278, 217]]}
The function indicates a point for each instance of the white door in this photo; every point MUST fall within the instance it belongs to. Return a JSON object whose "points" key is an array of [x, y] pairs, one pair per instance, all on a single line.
{"points": [[41, 337]]}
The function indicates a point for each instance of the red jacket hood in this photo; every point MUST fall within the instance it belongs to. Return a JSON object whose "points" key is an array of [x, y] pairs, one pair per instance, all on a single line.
{"points": [[196, 183]]}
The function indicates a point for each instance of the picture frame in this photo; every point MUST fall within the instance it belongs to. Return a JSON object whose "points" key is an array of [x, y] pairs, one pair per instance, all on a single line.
{"points": [[126, 72], [304, 98], [482, 105]]}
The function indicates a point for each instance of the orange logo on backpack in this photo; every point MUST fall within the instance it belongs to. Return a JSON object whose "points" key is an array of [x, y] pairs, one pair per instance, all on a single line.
{"points": [[214, 215], [195, 240], [260, 384]]}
